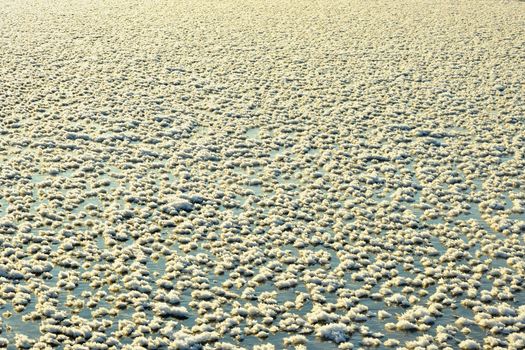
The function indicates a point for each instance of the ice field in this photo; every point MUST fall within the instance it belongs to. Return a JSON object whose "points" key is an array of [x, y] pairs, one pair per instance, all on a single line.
{"points": [[262, 174]]}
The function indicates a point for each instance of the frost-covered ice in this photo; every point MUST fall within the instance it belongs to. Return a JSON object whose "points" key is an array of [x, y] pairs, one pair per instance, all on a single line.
{"points": [[262, 174]]}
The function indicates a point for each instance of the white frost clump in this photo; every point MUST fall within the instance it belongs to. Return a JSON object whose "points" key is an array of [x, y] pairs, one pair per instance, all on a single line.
{"points": [[264, 347], [318, 315], [295, 340], [23, 342], [336, 332], [285, 284], [185, 341], [517, 340], [166, 310], [222, 346], [404, 325], [397, 300], [382, 314], [390, 343], [177, 205], [469, 344]]}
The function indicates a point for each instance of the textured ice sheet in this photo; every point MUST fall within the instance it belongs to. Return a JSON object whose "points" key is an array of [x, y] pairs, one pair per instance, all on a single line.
{"points": [[262, 174]]}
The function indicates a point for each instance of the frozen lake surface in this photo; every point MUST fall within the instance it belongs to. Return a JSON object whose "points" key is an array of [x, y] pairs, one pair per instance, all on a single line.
{"points": [[262, 174]]}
